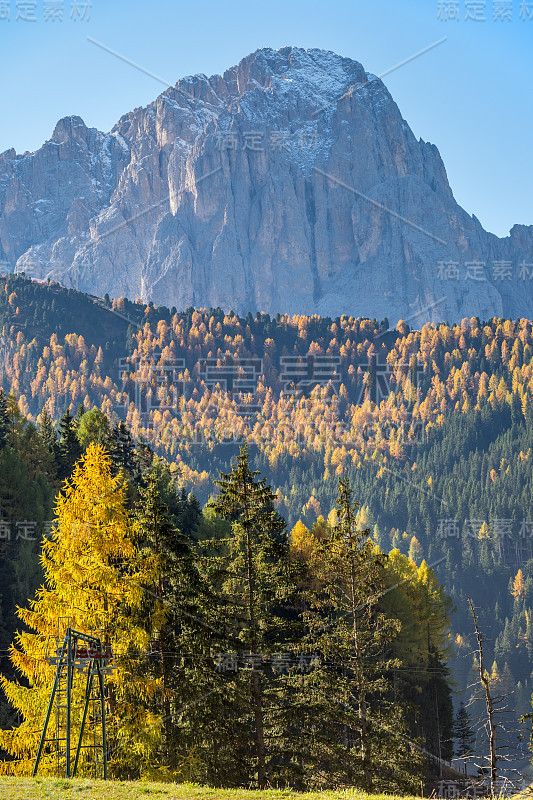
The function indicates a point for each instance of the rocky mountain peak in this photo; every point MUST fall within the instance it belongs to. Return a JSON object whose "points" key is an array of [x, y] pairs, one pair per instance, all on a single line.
{"points": [[72, 127], [289, 183]]}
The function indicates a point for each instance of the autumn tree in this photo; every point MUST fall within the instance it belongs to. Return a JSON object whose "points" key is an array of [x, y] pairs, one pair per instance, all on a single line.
{"points": [[518, 590], [94, 576], [415, 598]]}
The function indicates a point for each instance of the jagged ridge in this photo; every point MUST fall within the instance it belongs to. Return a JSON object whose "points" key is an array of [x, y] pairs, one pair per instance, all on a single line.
{"points": [[270, 187]]}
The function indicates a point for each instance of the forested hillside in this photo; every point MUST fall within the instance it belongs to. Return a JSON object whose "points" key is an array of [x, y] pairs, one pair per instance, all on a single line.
{"points": [[432, 427], [196, 602]]}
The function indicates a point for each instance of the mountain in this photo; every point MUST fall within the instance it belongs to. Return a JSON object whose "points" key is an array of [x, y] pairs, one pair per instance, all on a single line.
{"points": [[289, 184]]}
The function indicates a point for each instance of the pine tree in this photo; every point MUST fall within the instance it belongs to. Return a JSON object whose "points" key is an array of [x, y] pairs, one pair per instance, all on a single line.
{"points": [[143, 458], [251, 571], [362, 736], [48, 433], [169, 603], [16, 420], [4, 420], [92, 427], [122, 449], [464, 735], [94, 576], [188, 513], [419, 603], [69, 449], [47, 437]]}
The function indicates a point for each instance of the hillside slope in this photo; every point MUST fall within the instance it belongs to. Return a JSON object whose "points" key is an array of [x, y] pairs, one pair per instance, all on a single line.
{"points": [[433, 427]]}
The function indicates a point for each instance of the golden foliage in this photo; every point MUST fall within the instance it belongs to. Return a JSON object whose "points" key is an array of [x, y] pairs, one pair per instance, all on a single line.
{"points": [[94, 576]]}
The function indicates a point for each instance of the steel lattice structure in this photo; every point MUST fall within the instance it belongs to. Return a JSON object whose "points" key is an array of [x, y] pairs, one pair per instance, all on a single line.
{"points": [[84, 654]]}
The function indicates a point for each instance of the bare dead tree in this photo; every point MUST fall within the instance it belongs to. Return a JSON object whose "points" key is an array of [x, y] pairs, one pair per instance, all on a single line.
{"points": [[485, 682], [498, 720]]}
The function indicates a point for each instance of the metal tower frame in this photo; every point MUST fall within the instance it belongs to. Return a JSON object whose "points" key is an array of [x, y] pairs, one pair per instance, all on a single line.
{"points": [[83, 653]]}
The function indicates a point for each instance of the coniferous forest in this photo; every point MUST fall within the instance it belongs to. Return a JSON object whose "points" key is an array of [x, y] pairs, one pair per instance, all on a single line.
{"points": [[276, 524]]}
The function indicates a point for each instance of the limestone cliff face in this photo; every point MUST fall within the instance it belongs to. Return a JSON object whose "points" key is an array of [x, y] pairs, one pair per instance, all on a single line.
{"points": [[291, 183]]}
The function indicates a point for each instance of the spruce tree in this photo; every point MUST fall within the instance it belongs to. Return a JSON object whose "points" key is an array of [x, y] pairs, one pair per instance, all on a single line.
{"points": [[362, 737], [69, 449], [464, 735], [188, 513], [169, 606], [249, 573], [122, 449], [143, 459], [4, 420], [48, 433]]}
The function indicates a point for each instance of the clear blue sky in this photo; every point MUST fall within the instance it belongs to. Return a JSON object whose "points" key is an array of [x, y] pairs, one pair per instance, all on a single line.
{"points": [[471, 96]]}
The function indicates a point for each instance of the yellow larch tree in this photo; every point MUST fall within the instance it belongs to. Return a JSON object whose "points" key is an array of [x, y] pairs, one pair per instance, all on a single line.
{"points": [[519, 586], [95, 576]]}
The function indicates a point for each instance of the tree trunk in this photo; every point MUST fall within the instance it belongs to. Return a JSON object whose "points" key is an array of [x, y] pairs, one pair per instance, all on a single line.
{"points": [[259, 731], [256, 678], [366, 753], [490, 708], [167, 718]]}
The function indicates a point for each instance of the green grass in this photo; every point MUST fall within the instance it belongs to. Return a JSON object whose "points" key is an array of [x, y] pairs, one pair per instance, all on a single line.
{"points": [[87, 789]]}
